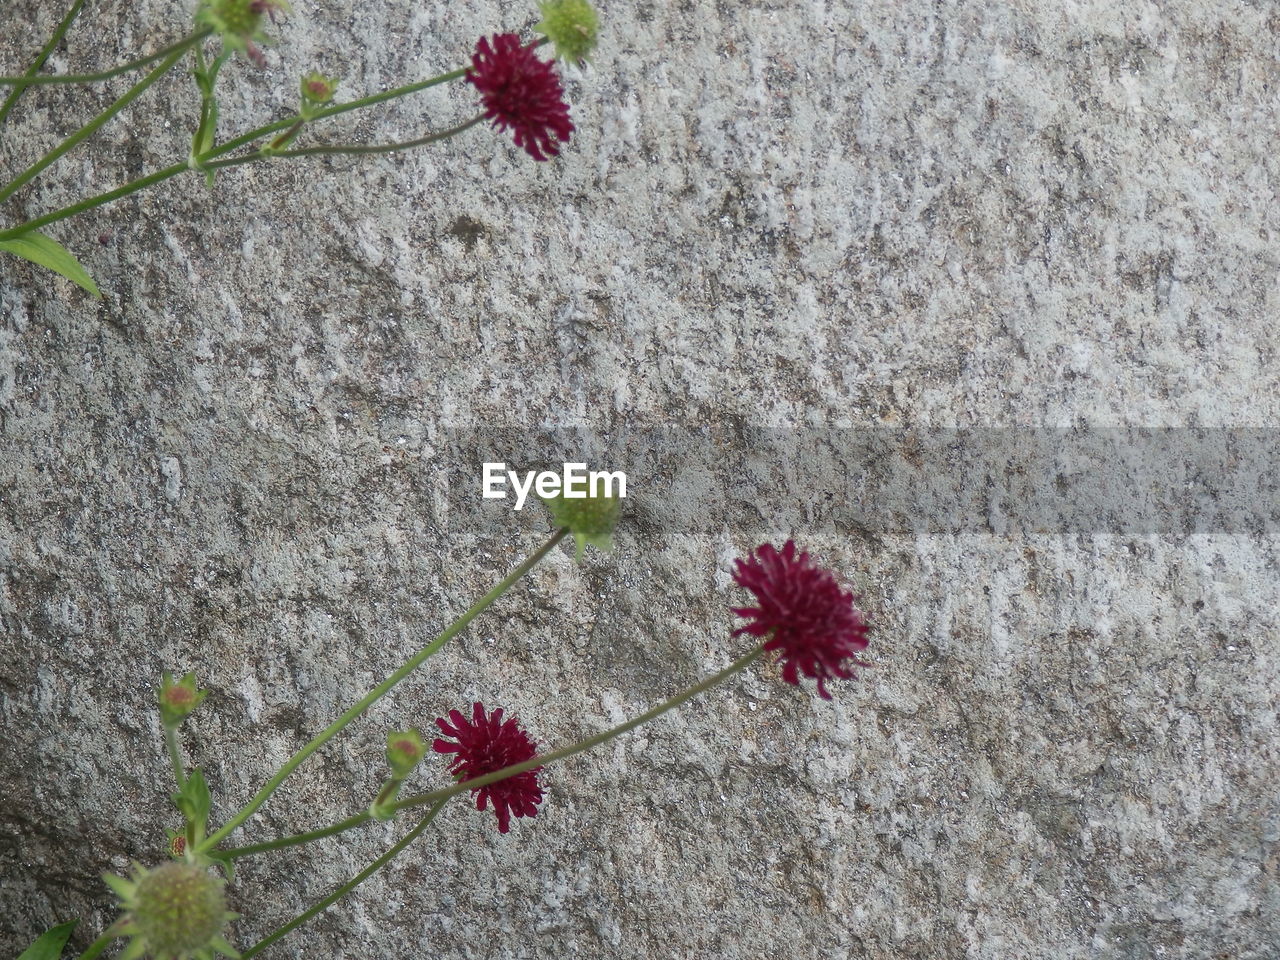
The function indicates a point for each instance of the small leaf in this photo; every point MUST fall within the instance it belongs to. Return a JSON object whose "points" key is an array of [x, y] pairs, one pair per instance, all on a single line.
{"points": [[47, 252], [197, 794], [224, 948], [225, 862], [183, 803], [122, 887], [49, 945]]}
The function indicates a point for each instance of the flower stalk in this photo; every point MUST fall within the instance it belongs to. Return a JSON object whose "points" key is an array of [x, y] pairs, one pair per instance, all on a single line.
{"points": [[346, 888], [476, 783], [582, 745], [205, 160], [175, 759], [92, 126], [21, 83], [32, 80], [376, 694]]}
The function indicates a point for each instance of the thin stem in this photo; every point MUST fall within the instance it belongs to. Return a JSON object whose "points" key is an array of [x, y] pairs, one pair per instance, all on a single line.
{"points": [[235, 853], [91, 127], [476, 783], [338, 149], [376, 694], [346, 888], [173, 170], [29, 80], [328, 149], [123, 191], [171, 743], [332, 111], [58, 33]]}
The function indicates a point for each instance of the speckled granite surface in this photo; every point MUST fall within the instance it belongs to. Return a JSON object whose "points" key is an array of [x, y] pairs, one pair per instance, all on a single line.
{"points": [[900, 215]]}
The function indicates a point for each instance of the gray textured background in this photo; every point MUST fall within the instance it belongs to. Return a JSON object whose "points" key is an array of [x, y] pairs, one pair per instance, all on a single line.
{"points": [[818, 214]]}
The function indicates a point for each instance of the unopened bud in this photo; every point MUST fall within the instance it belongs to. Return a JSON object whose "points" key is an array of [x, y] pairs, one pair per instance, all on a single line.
{"points": [[317, 89], [572, 26], [590, 518], [176, 910], [404, 751], [179, 699]]}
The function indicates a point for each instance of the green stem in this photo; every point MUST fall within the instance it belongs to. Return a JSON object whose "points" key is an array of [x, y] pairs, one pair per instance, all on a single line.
{"points": [[346, 888], [374, 695], [203, 160], [476, 783], [298, 838], [171, 743], [327, 149], [91, 127], [59, 32], [131, 187], [29, 80]]}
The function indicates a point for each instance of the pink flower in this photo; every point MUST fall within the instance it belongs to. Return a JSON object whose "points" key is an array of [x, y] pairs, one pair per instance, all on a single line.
{"points": [[521, 93], [484, 745], [808, 619]]}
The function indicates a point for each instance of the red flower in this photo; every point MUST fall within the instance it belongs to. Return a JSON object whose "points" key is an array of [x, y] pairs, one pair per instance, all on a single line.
{"points": [[521, 93], [809, 620], [485, 745]]}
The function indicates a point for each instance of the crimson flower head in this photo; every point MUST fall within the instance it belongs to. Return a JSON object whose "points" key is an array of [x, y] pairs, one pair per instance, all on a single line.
{"points": [[521, 93], [809, 620], [485, 744]]}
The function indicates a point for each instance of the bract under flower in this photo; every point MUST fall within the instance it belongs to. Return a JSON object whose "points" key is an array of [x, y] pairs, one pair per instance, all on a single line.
{"points": [[176, 911]]}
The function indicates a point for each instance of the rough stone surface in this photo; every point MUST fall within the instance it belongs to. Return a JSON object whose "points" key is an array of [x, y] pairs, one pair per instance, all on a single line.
{"points": [[794, 215]]}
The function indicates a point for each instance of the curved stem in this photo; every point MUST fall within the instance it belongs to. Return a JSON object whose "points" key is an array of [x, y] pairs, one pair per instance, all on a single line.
{"points": [[59, 32], [133, 186], [29, 80], [346, 888], [91, 127], [476, 783], [354, 148], [173, 170], [235, 853], [343, 148], [376, 694]]}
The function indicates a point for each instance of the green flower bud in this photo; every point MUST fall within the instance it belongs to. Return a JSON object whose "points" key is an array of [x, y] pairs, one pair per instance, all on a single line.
{"points": [[572, 27], [590, 518], [178, 700], [175, 912], [404, 751], [317, 89]]}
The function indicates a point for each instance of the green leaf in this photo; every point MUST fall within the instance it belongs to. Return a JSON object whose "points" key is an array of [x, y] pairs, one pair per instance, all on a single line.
{"points": [[184, 806], [47, 252], [225, 862], [49, 945], [122, 887], [197, 794]]}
